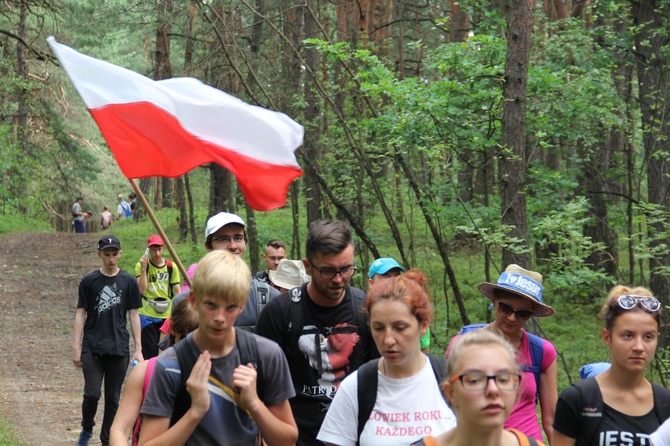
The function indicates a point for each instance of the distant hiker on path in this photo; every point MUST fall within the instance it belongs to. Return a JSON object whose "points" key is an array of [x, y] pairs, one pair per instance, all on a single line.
{"points": [[78, 216]]}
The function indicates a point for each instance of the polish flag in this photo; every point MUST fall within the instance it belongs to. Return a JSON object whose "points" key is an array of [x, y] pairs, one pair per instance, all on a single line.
{"points": [[166, 128]]}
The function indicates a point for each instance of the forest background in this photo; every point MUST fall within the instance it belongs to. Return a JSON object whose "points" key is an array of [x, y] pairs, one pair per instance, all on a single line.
{"points": [[457, 137]]}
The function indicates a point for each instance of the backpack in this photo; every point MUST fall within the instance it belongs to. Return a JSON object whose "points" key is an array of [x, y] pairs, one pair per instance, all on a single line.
{"points": [[367, 386], [296, 317], [536, 347], [126, 209], [246, 344], [590, 417]]}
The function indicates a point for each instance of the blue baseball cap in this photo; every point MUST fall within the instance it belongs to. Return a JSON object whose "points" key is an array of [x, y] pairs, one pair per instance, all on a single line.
{"points": [[383, 265]]}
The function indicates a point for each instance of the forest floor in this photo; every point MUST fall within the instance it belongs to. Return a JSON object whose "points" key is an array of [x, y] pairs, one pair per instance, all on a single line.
{"points": [[40, 388]]}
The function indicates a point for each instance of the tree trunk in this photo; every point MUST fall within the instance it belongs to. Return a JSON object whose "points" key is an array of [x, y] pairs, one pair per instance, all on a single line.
{"points": [[191, 212], [311, 149], [181, 205], [221, 195], [650, 42], [22, 72], [512, 159]]}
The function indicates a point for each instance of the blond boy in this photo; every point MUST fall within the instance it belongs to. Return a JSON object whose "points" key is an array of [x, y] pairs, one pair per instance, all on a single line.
{"points": [[219, 386]]}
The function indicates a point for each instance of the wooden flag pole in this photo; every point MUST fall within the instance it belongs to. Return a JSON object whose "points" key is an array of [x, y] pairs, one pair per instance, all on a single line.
{"points": [[160, 230]]}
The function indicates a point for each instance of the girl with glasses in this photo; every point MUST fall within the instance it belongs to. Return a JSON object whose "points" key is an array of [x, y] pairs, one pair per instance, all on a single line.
{"points": [[618, 406], [482, 389], [516, 297], [408, 403]]}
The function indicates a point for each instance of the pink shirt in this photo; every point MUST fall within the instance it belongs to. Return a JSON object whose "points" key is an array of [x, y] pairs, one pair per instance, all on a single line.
{"points": [[524, 416]]}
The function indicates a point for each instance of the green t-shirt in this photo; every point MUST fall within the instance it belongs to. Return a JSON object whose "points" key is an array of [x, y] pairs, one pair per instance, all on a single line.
{"points": [[159, 286], [425, 339]]}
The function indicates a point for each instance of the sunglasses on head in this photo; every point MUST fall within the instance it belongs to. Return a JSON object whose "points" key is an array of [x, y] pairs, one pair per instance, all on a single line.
{"points": [[630, 301], [507, 310]]}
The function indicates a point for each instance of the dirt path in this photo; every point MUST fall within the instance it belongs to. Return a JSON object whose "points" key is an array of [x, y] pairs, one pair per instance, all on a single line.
{"points": [[40, 389]]}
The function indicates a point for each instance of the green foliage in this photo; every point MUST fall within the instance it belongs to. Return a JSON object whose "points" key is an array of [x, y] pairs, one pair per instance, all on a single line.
{"points": [[562, 229], [15, 223]]}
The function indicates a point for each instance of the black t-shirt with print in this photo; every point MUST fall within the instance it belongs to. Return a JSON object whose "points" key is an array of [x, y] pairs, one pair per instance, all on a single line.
{"points": [[343, 346], [107, 301], [615, 428]]}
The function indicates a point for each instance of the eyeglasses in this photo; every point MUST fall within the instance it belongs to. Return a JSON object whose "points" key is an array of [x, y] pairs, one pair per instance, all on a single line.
{"points": [[629, 301], [507, 310], [275, 259], [479, 381], [329, 273], [225, 239]]}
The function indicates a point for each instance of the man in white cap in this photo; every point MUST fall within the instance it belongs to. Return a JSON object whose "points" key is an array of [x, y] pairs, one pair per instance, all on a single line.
{"points": [[123, 209], [226, 232]]}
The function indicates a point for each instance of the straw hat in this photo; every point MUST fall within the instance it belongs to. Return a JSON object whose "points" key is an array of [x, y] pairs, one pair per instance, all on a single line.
{"points": [[289, 274], [521, 282]]}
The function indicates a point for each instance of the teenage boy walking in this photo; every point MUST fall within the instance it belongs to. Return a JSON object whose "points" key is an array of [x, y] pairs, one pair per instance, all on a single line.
{"points": [[106, 298], [159, 282], [320, 326], [225, 407]]}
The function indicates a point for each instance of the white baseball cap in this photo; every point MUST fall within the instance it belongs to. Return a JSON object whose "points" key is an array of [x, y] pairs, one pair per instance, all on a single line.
{"points": [[220, 220]]}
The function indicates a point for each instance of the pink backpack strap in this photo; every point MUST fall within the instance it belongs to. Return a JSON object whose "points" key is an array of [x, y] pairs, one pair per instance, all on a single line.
{"points": [[147, 376], [147, 379]]}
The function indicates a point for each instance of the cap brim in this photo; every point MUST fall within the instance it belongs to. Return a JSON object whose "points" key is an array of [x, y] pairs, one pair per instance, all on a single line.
{"points": [[541, 310]]}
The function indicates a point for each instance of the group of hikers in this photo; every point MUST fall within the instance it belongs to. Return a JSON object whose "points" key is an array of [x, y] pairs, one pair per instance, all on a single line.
{"points": [[125, 209], [295, 355]]}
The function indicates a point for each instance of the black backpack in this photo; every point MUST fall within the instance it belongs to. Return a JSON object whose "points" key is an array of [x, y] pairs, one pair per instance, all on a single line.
{"points": [[367, 386], [246, 344], [591, 407]]}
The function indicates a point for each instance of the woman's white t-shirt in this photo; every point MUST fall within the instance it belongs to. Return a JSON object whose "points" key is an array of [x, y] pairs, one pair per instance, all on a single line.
{"points": [[406, 410]]}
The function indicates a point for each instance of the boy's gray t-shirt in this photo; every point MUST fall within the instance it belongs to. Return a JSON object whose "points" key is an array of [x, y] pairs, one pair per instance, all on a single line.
{"points": [[238, 428]]}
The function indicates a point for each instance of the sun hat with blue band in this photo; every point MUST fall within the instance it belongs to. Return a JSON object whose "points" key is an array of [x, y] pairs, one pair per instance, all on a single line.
{"points": [[523, 283]]}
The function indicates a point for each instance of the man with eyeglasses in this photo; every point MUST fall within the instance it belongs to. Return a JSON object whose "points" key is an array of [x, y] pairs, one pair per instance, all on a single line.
{"points": [[275, 251], [320, 326], [227, 232]]}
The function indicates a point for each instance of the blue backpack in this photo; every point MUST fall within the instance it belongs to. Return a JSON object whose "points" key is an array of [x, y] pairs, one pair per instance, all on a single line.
{"points": [[126, 208], [536, 355]]}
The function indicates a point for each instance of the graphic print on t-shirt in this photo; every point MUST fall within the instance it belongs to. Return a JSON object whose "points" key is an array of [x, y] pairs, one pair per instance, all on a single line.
{"points": [[334, 350], [109, 297]]}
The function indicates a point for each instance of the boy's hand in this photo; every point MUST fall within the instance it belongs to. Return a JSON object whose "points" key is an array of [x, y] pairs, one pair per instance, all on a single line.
{"points": [[196, 385], [76, 356], [244, 382]]}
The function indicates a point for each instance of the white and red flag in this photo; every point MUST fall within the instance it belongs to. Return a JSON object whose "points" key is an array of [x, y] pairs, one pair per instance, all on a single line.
{"points": [[168, 127]]}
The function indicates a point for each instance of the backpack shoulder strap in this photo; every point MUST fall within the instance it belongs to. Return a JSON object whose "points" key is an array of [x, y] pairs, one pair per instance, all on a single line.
{"points": [[439, 365], [536, 347], [525, 440], [186, 358], [248, 347], [426, 441], [367, 393], [591, 409], [296, 316], [262, 293], [661, 402], [170, 267], [470, 327]]}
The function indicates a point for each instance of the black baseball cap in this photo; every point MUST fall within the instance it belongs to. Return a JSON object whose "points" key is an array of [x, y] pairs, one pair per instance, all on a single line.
{"points": [[108, 241]]}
